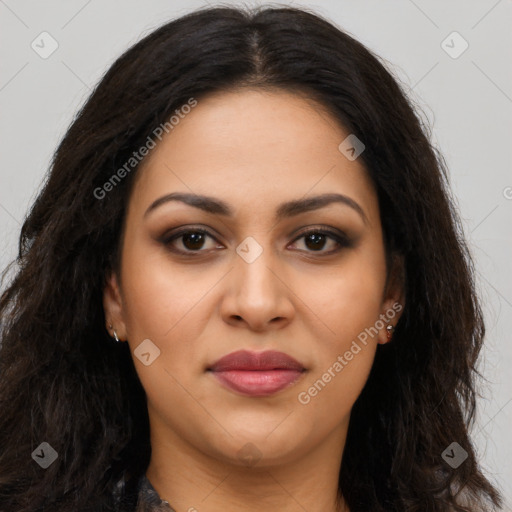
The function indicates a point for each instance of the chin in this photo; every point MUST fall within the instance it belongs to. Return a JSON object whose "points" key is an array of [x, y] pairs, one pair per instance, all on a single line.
{"points": [[258, 448]]}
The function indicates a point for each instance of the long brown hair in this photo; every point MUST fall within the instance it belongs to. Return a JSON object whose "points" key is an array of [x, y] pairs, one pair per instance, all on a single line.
{"points": [[62, 380]]}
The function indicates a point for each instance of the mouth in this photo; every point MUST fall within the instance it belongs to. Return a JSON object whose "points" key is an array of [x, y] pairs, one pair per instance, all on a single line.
{"points": [[257, 373]]}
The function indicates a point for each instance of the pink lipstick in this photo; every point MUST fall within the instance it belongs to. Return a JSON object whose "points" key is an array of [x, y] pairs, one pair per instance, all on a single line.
{"points": [[257, 373]]}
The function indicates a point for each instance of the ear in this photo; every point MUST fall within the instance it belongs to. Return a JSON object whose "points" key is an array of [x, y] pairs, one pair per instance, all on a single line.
{"points": [[393, 302], [113, 307]]}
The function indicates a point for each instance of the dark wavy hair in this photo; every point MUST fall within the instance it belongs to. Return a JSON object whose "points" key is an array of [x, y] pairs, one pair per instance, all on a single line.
{"points": [[64, 382]]}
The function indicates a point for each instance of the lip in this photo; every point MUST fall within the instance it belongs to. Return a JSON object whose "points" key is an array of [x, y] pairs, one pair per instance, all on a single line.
{"points": [[257, 373]]}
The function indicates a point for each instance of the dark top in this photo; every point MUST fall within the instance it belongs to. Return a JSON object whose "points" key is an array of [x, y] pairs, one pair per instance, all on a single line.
{"points": [[148, 500]]}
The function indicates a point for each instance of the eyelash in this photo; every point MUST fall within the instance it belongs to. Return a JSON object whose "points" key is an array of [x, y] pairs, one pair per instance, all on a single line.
{"points": [[342, 241]]}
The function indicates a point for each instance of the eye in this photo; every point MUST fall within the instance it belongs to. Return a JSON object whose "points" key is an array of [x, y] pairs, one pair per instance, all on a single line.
{"points": [[191, 239], [315, 240]]}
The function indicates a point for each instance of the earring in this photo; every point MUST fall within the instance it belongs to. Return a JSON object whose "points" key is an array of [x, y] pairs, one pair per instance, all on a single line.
{"points": [[116, 338], [390, 330]]}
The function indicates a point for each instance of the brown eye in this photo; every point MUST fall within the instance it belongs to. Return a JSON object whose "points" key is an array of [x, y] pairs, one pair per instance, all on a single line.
{"points": [[192, 240], [316, 240]]}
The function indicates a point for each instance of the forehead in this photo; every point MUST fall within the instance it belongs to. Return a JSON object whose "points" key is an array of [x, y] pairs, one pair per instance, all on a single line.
{"points": [[254, 146]]}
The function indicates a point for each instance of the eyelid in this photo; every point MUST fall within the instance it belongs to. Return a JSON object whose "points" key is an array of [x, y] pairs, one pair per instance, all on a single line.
{"points": [[338, 236]]}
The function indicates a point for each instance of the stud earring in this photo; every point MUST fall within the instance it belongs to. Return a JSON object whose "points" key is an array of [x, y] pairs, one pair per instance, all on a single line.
{"points": [[390, 330], [116, 338]]}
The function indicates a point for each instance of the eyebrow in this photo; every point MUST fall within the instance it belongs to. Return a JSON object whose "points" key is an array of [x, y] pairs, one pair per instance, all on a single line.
{"points": [[285, 210]]}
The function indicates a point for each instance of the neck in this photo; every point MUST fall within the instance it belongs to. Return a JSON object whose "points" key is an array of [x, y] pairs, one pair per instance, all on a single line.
{"points": [[192, 480]]}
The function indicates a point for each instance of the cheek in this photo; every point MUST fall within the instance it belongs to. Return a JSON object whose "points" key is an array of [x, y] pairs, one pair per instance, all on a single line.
{"points": [[163, 304], [159, 299], [349, 303], [347, 299], [327, 398], [355, 305]]}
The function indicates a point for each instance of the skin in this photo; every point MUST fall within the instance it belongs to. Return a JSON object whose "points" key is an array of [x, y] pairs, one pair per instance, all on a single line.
{"points": [[253, 150]]}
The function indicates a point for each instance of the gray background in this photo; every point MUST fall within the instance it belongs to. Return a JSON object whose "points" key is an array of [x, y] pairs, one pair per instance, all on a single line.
{"points": [[466, 100]]}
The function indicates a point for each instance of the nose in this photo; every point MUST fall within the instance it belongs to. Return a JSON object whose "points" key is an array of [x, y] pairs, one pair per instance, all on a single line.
{"points": [[258, 294]]}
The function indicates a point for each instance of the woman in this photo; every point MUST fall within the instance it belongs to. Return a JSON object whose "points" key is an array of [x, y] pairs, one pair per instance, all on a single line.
{"points": [[243, 287]]}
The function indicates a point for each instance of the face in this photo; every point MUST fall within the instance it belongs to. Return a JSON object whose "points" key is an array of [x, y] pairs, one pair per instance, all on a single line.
{"points": [[259, 267]]}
